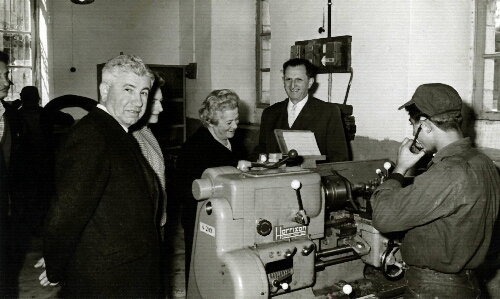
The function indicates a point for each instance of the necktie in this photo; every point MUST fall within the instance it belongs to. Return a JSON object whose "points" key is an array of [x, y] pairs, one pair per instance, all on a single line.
{"points": [[293, 115]]}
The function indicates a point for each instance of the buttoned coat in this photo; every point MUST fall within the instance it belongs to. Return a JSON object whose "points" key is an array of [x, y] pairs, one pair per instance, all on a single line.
{"points": [[101, 237]]}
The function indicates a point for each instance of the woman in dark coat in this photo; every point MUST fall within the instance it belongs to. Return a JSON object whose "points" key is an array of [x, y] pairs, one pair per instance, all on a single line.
{"points": [[208, 147]]}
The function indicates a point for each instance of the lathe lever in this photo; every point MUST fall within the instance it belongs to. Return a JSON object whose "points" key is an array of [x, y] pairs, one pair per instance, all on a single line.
{"points": [[301, 216], [280, 284], [307, 250], [289, 254]]}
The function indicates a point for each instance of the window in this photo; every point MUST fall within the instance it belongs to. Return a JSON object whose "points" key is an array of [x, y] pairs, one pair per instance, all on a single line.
{"points": [[263, 53], [15, 40], [487, 60]]}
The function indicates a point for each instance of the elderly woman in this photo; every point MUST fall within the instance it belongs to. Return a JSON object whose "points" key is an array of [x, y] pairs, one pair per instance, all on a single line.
{"points": [[209, 146]]}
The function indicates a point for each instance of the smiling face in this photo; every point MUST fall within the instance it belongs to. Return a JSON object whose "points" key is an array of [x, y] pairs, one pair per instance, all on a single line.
{"points": [[228, 122], [156, 108], [297, 83], [126, 97], [4, 80]]}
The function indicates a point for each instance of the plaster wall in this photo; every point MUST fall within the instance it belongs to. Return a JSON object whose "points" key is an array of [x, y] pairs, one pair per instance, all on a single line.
{"points": [[396, 46], [83, 36], [223, 48]]}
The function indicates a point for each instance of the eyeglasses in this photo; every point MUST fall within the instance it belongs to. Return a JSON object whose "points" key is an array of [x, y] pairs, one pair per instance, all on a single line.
{"points": [[415, 146]]}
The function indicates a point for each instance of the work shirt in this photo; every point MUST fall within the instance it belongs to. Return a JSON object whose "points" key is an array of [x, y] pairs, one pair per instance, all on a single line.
{"points": [[448, 212]]}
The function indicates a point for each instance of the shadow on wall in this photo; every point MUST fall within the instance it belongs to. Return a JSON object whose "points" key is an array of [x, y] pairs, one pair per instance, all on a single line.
{"points": [[468, 122]]}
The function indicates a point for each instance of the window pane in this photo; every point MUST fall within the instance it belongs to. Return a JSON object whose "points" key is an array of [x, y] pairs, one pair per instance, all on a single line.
{"points": [[21, 77], [15, 40], [15, 15], [18, 46], [265, 17], [266, 87], [491, 93]]}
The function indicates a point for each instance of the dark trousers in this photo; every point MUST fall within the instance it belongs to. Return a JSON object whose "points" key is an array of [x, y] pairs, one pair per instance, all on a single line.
{"points": [[427, 283]]}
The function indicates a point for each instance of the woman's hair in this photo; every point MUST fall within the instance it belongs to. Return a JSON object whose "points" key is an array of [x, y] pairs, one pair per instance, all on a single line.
{"points": [[218, 100], [157, 84], [445, 121]]}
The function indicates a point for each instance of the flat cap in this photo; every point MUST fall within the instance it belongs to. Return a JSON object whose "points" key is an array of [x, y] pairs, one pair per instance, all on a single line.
{"points": [[435, 98], [29, 92]]}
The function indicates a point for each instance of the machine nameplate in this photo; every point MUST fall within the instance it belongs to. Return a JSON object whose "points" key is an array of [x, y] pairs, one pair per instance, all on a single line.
{"points": [[207, 229], [284, 233]]}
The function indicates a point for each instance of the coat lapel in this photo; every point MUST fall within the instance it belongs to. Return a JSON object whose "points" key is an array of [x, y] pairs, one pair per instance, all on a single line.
{"points": [[282, 117], [305, 116], [128, 139]]}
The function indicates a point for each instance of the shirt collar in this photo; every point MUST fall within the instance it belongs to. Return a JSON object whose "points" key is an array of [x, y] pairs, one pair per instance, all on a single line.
{"points": [[452, 149], [299, 105], [103, 108]]}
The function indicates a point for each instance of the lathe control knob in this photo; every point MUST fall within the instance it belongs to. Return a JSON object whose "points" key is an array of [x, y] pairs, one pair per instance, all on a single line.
{"points": [[284, 286], [264, 227], [347, 289], [295, 184], [387, 166]]}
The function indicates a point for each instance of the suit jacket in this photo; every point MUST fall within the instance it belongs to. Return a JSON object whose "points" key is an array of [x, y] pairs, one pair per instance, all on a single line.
{"points": [[8, 145], [101, 234], [320, 117]]}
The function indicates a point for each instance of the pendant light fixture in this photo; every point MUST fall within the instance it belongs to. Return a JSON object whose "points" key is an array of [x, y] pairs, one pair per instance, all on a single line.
{"points": [[82, 1]]}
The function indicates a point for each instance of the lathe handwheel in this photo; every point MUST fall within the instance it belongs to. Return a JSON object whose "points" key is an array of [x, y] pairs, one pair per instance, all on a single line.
{"points": [[391, 269]]}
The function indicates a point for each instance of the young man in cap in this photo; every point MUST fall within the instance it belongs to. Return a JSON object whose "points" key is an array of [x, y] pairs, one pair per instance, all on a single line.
{"points": [[449, 211]]}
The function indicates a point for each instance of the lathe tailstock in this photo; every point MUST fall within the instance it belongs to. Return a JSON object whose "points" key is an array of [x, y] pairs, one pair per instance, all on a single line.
{"points": [[292, 233]]}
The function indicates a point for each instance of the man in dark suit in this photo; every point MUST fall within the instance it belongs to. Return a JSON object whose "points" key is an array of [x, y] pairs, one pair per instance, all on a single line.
{"points": [[302, 112], [8, 145], [101, 237]]}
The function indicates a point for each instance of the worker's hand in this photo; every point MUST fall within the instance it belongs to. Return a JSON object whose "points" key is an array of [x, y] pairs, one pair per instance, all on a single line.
{"points": [[40, 263], [163, 218], [44, 281], [244, 165], [406, 159]]}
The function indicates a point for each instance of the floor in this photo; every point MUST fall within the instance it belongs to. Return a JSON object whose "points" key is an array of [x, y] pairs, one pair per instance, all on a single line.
{"points": [[29, 286]]}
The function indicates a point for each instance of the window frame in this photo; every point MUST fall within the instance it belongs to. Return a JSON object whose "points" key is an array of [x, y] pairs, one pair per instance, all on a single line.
{"points": [[480, 56], [261, 69], [13, 94]]}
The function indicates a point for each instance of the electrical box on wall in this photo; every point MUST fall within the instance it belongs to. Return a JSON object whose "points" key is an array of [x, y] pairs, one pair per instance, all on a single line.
{"points": [[330, 55]]}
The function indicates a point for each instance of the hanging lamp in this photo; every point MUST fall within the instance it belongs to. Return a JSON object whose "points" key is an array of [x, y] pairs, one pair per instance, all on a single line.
{"points": [[82, 1]]}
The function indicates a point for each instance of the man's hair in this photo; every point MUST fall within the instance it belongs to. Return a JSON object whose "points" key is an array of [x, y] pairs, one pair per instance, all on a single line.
{"points": [[125, 63], [4, 57], [310, 68], [30, 96], [445, 121], [218, 100]]}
